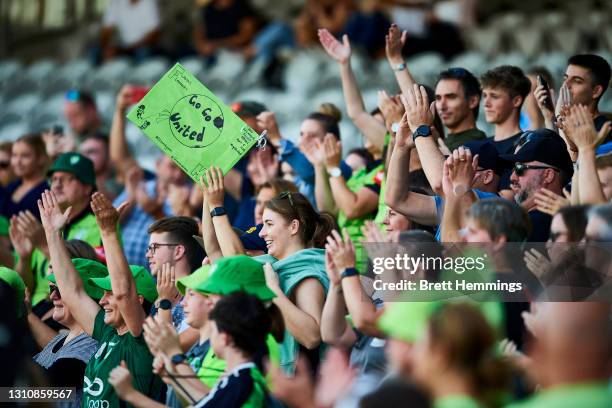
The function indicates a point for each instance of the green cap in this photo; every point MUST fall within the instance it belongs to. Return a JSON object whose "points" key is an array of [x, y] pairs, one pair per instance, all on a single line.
{"points": [[16, 283], [406, 321], [76, 164], [87, 269], [4, 227], [235, 273], [145, 285], [195, 280]]}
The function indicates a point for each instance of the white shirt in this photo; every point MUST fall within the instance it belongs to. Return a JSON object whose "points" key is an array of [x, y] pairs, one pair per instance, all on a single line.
{"points": [[133, 21]]}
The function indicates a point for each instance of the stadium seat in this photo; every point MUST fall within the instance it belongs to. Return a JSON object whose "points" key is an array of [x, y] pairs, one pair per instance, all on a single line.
{"points": [[12, 131], [149, 71], [473, 61]]}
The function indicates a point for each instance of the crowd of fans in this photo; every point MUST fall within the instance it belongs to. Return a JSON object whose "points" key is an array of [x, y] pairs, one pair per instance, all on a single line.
{"points": [[253, 288]]}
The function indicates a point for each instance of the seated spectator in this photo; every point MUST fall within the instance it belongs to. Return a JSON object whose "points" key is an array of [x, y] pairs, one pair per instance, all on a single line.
{"points": [[367, 27], [95, 148], [64, 357], [28, 162], [224, 24], [117, 324], [129, 27], [6, 171], [328, 14], [541, 161], [82, 114]]}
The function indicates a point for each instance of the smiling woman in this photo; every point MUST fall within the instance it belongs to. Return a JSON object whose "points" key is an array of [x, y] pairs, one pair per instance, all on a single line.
{"points": [[295, 233]]}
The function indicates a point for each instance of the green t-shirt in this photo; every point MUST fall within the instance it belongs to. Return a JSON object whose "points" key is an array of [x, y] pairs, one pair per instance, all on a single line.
{"points": [[591, 395], [454, 140], [360, 179], [456, 401], [97, 392], [84, 228]]}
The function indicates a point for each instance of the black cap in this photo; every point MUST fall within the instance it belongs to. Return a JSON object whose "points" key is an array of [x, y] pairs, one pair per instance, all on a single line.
{"points": [[488, 157], [545, 146]]}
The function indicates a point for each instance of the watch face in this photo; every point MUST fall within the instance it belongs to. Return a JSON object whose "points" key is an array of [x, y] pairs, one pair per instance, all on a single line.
{"points": [[423, 130], [165, 304]]}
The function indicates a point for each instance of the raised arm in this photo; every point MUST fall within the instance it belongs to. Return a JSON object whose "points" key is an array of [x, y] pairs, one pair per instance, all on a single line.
{"points": [[581, 130], [371, 128], [120, 155], [394, 43], [363, 313], [353, 204], [421, 112], [83, 308], [418, 207], [302, 318], [314, 151], [214, 191], [209, 236], [122, 281], [335, 330], [23, 247]]}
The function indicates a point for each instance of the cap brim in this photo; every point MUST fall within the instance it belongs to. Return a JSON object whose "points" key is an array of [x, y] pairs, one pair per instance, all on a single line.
{"points": [[102, 283]]}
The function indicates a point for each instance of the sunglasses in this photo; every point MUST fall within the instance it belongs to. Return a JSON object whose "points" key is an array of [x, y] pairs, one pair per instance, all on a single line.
{"points": [[54, 288], [520, 168], [286, 194], [5, 165]]}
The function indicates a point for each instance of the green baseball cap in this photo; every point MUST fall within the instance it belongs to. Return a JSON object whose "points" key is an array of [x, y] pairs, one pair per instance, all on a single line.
{"points": [[235, 273], [87, 269], [195, 280], [145, 285], [4, 227], [406, 321], [76, 164], [16, 283]]}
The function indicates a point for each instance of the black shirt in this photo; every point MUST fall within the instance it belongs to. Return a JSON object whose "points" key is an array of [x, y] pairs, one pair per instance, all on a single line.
{"points": [[599, 122], [540, 226]]}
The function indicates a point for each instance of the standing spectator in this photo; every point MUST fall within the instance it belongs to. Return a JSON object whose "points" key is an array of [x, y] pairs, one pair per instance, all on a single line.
{"points": [[541, 162], [457, 102], [504, 91], [81, 113], [28, 162], [129, 27], [95, 148]]}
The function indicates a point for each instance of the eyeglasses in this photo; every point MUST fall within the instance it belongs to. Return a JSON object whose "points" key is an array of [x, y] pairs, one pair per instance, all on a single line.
{"points": [[286, 194], [62, 180], [520, 168], [54, 288], [153, 247], [5, 165]]}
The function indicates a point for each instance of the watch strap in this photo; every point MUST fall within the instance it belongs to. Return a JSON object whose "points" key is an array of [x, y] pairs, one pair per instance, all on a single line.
{"points": [[348, 272], [217, 211], [400, 67]]}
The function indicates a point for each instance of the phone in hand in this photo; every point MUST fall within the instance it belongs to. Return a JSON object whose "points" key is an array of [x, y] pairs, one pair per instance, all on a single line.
{"points": [[137, 93], [548, 101]]}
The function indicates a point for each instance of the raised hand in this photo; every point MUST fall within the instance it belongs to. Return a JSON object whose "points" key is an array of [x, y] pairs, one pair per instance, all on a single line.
{"points": [[166, 284], [214, 190], [150, 205], [333, 151], [391, 108], [461, 170], [332, 272], [419, 110], [20, 241], [544, 99], [342, 250], [580, 129], [549, 202], [52, 218], [537, 263], [394, 44], [341, 52], [403, 137], [121, 380], [161, 337], [267, 121], [313, 149], [107, 216]]}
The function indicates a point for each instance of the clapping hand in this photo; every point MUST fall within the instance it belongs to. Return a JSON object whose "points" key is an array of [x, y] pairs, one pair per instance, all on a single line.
{"points": [[161, 337], [333, 151], [107, 216], [459, 170], [342, 250], [21, 242], [391, 107], [312, 147], [121, 380], [394, 44], [580, 129], [419, 110], [549, 202]]}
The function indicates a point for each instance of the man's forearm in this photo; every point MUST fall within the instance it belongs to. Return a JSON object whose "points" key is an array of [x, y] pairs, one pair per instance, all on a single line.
{"points": [[397, 187], [590, 186], [229, 242], [432, 161]]}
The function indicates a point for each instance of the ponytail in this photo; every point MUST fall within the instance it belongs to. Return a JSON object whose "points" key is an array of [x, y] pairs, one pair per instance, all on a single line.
{"points": [[326, 223]]}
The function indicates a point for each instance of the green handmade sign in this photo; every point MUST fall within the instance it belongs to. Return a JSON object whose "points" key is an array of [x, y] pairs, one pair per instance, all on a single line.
{"points": [[191, 125]]}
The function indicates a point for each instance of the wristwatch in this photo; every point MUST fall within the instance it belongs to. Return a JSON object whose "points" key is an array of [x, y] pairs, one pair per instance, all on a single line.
{"points": [[421, 131], [178, 358], [394, 127], [164, 304], [334, 172], [348, 272], [218, 211], [400, 67]]}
